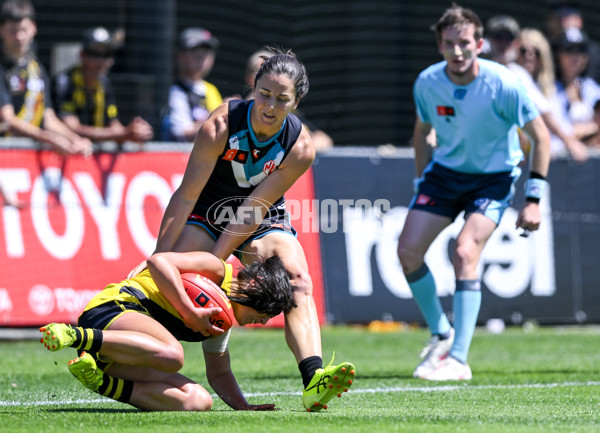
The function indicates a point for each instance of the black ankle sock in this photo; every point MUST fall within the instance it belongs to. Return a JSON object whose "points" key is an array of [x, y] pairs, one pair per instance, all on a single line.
{"points": [[308, 366], [116, 388], [87, 339]]}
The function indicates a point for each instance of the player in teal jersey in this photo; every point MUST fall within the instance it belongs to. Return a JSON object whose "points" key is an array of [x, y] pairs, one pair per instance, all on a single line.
{"points": [[472, 108], [245, 157]]}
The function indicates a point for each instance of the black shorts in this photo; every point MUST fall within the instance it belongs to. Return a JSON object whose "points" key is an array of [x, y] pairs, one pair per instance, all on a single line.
{"points": [[274, 222], [101, 316], [447, 192]]}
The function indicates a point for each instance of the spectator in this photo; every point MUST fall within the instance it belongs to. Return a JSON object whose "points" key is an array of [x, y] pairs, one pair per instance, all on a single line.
{"points": [[84, 97], [25, 104], [502, 31], [577, 93], [535, 68], [564, 14], [320, 139], [594, 140], [191, 98]]}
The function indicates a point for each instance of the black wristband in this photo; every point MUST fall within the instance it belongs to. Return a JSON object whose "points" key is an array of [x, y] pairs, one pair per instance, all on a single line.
{"points": [[536, 175], [532, 199]]}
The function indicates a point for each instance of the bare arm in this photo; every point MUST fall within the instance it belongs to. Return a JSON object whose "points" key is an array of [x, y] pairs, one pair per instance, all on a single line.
{"points": [[268, 191], [21, 128], [576, 148], [209, 144], [138, 130], [540, 158], [221, 379], [166, 269], [422, 136], [80, 145], [530, 218]]}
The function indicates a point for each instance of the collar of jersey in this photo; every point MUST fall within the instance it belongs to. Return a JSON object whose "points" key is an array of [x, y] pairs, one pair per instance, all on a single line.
{"points": [[251, 131]]}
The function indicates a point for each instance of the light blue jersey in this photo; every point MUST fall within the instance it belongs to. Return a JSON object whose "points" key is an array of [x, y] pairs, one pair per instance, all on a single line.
{"points": [[476, 124]]}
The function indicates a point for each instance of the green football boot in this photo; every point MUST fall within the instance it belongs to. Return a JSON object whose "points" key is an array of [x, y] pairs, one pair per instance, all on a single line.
{"points": [[57, 335], [326, 384], [86, 371]]}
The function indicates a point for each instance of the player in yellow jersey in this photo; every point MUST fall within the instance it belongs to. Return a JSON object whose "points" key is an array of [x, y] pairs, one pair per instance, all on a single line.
{"points": [[128, 335]]}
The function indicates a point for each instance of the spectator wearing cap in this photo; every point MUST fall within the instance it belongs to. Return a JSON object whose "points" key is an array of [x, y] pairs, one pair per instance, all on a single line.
{"points": [[191, 97], [564, 14], [535, 69], [25, 102], [576, 93], [84, 97], [502, 31]]}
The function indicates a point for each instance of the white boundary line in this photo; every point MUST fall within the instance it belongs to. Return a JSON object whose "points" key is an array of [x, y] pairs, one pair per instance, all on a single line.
{"points": [[446, 388]]}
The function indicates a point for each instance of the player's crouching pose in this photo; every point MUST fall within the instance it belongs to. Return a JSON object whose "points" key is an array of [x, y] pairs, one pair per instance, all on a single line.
{"points": [[128, 334]]}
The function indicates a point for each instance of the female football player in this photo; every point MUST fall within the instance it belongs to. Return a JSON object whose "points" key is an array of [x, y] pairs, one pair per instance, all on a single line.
{"points": [[128, 335], [245, 157]]}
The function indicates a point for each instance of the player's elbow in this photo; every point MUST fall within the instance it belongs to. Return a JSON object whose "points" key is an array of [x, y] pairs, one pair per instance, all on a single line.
{"points": [[301, 284]]}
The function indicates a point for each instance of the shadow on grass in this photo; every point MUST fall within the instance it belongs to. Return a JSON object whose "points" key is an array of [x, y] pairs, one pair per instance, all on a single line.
{"points": [[125, 410]]}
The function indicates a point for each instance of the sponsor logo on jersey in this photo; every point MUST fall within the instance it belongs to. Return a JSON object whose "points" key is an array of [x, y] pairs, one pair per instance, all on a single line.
{"points": [[236, 155], [460, 94], [445, 111], [269, 166]]}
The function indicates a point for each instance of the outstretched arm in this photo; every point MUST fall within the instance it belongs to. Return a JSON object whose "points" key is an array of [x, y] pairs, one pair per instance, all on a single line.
{"points": [[222, 380]]}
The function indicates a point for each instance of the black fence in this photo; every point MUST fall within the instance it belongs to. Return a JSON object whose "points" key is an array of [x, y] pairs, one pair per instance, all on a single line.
{"points": [[362, 56]]}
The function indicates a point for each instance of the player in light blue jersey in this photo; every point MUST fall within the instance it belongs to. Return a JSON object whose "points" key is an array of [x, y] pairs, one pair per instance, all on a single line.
{"points": [[467, 157]]}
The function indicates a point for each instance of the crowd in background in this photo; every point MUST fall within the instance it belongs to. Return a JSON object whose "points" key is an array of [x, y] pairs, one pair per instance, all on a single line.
{"points": [[560, 69], [68, 112]]}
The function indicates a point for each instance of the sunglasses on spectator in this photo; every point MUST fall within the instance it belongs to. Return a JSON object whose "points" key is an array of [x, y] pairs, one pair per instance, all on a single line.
{"points": [[503, 36], [99, 54], [574, 49], [523, 51]]}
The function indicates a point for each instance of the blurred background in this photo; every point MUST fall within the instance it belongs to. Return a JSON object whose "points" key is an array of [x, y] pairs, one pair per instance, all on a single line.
{"points": [[362, 56]]}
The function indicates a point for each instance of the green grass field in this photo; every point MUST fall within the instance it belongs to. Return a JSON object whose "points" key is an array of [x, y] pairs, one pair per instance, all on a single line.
{"points": [[544, 380]]}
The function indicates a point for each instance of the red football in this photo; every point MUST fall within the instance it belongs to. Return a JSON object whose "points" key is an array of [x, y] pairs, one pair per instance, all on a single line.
{"points": [[204, 293]]}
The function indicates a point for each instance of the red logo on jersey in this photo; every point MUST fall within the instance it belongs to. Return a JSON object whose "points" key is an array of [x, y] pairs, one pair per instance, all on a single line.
{"points": [[269, 167], [445, 111]]}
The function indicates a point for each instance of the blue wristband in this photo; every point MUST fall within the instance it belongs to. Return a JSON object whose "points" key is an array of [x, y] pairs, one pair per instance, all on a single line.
{"points": [[534, 188]]}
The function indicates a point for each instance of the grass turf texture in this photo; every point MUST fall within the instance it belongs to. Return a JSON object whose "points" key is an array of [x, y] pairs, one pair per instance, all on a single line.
{"points": [[545, 380]]}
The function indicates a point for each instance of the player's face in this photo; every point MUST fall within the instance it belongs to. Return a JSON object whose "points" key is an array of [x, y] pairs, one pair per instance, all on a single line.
{"points": [[460, 49], [274, 98], [245, 315], [17, 36]]}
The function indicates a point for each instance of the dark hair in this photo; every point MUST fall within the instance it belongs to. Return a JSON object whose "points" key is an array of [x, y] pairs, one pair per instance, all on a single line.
{"points": [[16, 10], [285, 62], [264, 286], [458, 16]]}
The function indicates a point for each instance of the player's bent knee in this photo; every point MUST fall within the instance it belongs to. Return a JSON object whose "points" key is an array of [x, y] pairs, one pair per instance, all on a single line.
{"points": [[197, 398], [171, 358], [464, 256], [409, 261]]}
